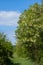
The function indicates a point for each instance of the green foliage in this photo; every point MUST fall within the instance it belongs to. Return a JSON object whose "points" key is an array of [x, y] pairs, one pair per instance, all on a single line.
{"points": [[6, 50], [29, 33], [20, 50]]}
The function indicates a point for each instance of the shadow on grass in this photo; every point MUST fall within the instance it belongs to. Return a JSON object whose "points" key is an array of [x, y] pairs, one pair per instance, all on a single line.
{"points": [[17, 64], [9, 62]]}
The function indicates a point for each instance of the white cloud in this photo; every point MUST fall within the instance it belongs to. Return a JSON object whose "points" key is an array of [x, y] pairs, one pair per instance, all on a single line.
{"points": [[9, 18]]}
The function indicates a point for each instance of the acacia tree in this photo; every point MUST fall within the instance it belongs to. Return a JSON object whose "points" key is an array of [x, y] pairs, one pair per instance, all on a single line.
{"points": [[29, 33]]}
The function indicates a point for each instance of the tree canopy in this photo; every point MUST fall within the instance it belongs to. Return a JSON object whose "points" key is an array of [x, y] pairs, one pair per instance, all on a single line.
{"points": [[29, 33], [5, 50]]}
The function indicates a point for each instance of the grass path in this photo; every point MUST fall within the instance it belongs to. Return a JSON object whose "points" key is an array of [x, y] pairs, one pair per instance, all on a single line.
{"points": [[22, 61]]}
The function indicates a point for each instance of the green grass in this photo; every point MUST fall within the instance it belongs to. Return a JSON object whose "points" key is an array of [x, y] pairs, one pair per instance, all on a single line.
{"points": [[23, 61]]}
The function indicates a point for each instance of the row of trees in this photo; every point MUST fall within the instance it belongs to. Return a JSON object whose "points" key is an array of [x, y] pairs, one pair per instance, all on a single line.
{"points": [[29, 34]]}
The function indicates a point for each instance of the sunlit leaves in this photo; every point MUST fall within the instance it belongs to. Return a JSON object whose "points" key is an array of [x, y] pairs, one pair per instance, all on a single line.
{"points": [[30, 32]]}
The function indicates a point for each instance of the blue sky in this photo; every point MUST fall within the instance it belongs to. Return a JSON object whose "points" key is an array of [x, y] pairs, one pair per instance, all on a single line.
{"points": [[16, 5], [10, 10]]}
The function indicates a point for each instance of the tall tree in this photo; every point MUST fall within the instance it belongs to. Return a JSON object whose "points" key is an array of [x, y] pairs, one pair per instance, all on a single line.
{"points": [[30, 33]]}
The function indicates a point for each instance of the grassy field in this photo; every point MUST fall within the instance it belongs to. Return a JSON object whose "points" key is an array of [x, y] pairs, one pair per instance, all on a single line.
{"points": [[22, 61]]}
